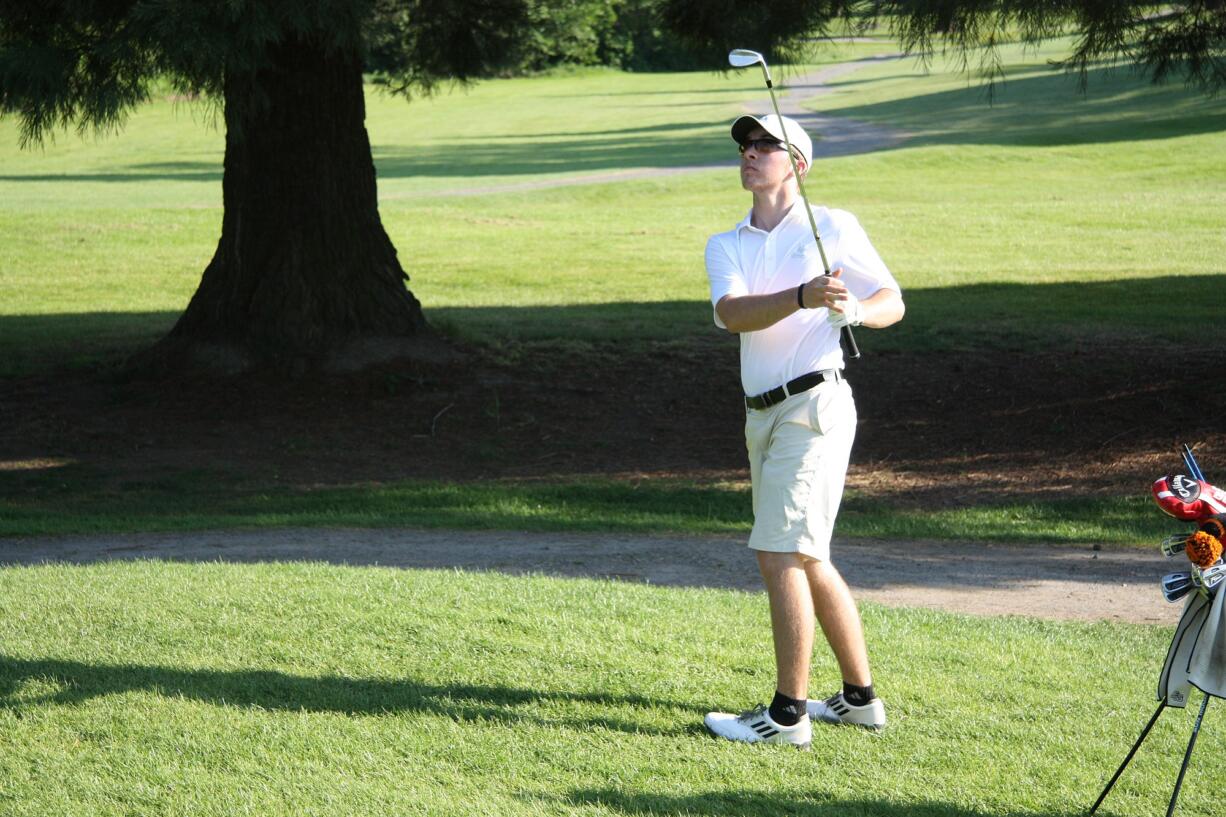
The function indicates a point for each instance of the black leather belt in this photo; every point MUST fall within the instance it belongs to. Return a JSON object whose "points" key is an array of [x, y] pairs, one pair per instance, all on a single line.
{"points": [[803, 383]]}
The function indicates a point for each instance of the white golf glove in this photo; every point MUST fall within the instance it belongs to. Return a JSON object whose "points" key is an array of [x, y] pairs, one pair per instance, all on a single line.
{"points": [[852, 314]]}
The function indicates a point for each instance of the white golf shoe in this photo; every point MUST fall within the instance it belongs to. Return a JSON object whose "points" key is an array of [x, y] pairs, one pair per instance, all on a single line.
{"points": [[835, 709], [757, 726]]}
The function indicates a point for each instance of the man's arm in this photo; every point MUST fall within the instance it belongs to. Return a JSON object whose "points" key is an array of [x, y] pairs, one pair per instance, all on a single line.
{"points": [[883, 308], [749, 313]]}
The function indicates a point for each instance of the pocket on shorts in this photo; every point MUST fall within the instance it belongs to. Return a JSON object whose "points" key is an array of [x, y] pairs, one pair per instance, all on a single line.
{"points": [[830, 407]]}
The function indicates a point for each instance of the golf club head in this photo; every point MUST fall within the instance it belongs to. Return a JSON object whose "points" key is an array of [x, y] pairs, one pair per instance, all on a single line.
{"points": [[1174, 544], [743, 58], [1176, 585], [1207, 580]]}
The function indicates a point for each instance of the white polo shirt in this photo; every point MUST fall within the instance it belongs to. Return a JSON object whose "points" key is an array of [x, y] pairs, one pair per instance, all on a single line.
{"points": [[749, 261]]}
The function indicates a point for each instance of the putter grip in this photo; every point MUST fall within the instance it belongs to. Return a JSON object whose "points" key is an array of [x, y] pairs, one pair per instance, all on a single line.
{"points": [[849, 343]]}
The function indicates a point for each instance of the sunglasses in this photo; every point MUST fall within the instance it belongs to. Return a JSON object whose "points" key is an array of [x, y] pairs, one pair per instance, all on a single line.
{"points": [[763, 145]]}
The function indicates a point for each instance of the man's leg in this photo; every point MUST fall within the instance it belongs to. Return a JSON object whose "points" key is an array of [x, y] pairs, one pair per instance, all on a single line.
{"points": [[840, 620], [786, 720], [792, 619]]}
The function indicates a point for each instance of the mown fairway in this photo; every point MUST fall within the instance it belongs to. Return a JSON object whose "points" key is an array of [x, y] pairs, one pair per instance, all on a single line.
{"points": [[215, 689], [1045, 222], [1040, 215]]}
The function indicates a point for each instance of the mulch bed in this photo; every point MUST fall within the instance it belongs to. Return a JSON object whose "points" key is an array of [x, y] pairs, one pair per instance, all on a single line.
{"points": [[969, 426]]}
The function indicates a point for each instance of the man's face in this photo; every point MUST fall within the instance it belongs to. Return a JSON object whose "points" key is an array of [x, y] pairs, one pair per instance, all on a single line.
{"points": [[764, 162]]}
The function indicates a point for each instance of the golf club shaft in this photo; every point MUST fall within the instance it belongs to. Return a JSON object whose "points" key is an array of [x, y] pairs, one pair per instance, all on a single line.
{"points": [[849, 340], [1190, 461]]}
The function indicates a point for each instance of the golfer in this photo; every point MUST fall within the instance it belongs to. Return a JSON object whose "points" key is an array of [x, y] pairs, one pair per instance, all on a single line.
{"points": [[767, 286]]}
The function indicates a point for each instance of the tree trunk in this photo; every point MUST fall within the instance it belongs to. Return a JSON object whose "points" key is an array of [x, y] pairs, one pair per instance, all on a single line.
{"points": [[304, 275]]}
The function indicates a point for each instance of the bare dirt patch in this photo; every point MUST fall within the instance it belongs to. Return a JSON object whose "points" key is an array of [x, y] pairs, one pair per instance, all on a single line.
{"points": [[1047, 582], [968, 428]]}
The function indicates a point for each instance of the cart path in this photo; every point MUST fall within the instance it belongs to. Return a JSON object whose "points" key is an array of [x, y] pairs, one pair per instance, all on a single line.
{"points": [[838, 136], [1034, 580]]}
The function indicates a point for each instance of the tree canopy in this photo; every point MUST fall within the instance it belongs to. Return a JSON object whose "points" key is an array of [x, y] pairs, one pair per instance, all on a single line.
{"points": [[1167, 41], [86, 62]]}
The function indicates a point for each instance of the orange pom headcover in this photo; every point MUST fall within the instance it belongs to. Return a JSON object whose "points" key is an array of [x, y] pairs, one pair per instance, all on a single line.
{"points": [[1203, 549]]}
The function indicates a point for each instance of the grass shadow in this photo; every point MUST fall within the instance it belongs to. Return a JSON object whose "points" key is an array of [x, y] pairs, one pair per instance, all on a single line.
{"points": [[140, 172], [680, 144], [1001, 315], [280, 691], [1022, 316], [768, 804], [1047, 109]]}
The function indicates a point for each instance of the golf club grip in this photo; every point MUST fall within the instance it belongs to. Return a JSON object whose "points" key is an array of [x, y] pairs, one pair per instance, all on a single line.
{"points": [[849, 343]]}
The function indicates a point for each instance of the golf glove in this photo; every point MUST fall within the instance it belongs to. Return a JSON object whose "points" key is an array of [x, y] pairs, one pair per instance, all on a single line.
{"points": [[852, 314]]}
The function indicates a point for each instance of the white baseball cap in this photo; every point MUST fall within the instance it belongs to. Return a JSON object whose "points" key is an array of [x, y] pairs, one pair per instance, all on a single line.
{"points": [[775, 126]]}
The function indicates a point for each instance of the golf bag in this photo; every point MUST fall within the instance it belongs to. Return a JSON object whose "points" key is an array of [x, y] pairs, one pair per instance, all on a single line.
{"points": [[1197, 655]]}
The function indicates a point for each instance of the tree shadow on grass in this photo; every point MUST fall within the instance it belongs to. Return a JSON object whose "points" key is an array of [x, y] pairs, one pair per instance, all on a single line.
{"points": [[1046, 110], [139, 172], [1021, 316], [679, 144], [766, 804], [280, 691], [1013, 315], [675, 144]]}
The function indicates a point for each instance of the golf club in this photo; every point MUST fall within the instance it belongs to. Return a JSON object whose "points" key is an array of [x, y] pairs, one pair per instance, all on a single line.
{"points": [[1174, 544], [1190, 461], [743, 58], [1208, 579], [1176, 585]]}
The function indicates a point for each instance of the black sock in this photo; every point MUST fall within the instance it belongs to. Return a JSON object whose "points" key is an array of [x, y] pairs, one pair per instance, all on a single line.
{"points": [[787, 711], [857, 696]]}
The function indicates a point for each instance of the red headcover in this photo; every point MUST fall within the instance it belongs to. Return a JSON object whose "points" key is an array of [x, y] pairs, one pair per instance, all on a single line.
{"points": [[1186, 498]]}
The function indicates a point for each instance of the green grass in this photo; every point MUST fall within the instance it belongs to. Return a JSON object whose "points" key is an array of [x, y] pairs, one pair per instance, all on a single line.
{"points": [[1002, 212], [279, 689], [75, 502], [1044, 218]]}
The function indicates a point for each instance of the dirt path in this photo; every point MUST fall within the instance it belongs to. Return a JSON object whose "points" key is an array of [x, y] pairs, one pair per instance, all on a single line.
{"points": [[1048, 582], [836, 136]]}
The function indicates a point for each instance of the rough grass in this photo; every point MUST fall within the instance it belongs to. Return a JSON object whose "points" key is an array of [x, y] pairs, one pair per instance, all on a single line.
{"points": [[202, 501], [215, 689]]}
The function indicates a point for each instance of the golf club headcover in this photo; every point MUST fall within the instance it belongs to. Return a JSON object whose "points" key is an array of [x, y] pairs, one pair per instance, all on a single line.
{"points": [[1203, 549], [1190, 499]]}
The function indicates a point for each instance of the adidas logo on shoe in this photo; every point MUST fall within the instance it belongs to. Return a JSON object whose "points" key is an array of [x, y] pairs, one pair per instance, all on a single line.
{"points": [[836, 709], [757, 726]]}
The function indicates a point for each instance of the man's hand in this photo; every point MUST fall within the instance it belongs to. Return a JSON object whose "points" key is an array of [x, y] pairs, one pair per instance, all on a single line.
{"points": [[847, 312], [829, 291], [883, 308]]}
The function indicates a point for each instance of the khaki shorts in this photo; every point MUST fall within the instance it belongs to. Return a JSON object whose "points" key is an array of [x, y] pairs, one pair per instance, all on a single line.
{"points": [[798, 454]]}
